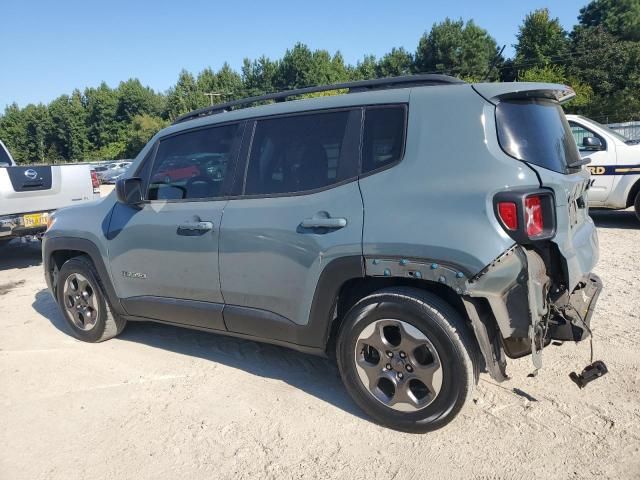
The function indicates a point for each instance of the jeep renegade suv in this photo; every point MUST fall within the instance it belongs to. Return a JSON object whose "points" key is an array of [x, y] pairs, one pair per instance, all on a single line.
{"points": [[421, 229]]}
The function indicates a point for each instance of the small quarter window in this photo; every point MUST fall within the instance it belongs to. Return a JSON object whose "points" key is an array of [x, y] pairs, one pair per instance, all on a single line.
{"points": [[193, 164], [383, 140]]}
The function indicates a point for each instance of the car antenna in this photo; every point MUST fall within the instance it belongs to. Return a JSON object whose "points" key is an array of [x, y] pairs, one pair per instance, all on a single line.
{"points": [[493, 63]]}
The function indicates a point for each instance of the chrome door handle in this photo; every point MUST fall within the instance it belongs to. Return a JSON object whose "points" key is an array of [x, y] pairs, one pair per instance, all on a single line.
{"points": [[318, 222], [194, 228]]}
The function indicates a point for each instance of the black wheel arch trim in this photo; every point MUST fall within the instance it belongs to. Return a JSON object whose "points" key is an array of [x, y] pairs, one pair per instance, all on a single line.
{"points": [[87, 247]]}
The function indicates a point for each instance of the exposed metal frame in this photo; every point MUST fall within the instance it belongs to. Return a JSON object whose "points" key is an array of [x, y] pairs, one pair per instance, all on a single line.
{"points": [[352, 87]]}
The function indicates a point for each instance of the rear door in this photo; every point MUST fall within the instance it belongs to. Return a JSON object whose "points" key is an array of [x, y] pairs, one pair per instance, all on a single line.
{"points": [[164, 254], [602, 162], [301, 208]]}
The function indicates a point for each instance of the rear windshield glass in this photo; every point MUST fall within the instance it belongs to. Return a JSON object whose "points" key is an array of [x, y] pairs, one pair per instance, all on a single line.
{"points": [[536, 131]]}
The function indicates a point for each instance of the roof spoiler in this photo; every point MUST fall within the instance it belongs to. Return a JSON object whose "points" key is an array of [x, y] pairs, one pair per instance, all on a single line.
{"points": [[494, 92]]}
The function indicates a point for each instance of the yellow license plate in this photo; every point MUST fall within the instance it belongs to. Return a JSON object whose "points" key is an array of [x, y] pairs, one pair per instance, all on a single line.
{"points": [[35, 219]]}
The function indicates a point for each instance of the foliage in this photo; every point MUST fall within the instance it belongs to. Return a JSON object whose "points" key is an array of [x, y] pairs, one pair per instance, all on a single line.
{"points": [[599, 59], [456, 48], [540, 39], [618, 17], [557, 74]]}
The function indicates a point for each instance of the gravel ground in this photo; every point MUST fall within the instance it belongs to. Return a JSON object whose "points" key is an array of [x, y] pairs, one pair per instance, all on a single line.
{"points": [[162, 402]]}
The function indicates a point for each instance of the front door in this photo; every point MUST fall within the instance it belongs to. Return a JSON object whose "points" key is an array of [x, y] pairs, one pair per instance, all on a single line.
{"points": [[164, 254]]}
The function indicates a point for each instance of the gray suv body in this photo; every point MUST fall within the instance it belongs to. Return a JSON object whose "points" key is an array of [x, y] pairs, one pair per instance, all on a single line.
{"points": [[420, 228]]}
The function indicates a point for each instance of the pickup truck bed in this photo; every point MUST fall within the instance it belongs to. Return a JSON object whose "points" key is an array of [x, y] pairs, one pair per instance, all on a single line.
{"points": [[28, 194]]}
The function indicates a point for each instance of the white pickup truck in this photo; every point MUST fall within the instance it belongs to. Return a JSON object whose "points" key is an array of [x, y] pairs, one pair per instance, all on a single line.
{"points": [[614, 166], [29, 194]]}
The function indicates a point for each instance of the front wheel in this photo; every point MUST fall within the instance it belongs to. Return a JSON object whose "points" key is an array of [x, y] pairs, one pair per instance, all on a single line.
{"points": [[81, 298], [407, 359], [636, 205]]}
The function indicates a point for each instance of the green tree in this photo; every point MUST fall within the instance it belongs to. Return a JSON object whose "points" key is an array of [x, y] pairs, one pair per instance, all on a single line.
{"points": [[397, 62], [540, 39], [259, 76], [103, 126], [135, 99], [365, 69], [68, 136], [226, 84], [618, 17], [184, 97], [557, 74], [142, 128], [456, 48]]}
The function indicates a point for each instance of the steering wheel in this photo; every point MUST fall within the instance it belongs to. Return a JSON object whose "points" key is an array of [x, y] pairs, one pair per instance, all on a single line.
{"points": [[211, 185]]}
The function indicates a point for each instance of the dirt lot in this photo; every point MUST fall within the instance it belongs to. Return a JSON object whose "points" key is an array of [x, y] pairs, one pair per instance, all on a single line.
{"points": [[162, 402]]}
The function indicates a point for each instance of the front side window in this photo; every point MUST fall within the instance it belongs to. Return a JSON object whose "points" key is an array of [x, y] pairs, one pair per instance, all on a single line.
{"points": [[580, 133], [536, 131], [383, 140], [192, 165], [297, 153]]}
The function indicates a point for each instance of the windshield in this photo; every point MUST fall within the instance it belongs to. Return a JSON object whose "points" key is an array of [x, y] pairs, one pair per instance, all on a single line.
{"points": [[5, 161], [610, 131], [536, 131]]}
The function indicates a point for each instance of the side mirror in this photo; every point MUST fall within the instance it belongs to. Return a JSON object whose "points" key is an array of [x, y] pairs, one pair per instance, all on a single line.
{"points": [[592, 143], [129, 190]]}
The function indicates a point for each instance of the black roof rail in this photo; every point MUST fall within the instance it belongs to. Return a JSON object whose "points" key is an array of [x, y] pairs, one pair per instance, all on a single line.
{"points": [[352, 87]]}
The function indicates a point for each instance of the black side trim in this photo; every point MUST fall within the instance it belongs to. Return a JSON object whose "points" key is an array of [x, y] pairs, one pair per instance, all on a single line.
{"points": [[261, 323], [299, 348], [54, 244], [186, 312]]}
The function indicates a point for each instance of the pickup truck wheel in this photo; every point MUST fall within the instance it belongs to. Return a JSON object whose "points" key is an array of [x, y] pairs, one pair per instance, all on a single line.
{"points": [[81, 298], [407, 359], [636, 205]]}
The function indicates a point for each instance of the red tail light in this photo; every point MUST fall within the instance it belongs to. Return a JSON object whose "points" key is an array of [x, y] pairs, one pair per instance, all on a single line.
{"points": [[533, 216], [526, 215], [508, 212], [94, 179]]}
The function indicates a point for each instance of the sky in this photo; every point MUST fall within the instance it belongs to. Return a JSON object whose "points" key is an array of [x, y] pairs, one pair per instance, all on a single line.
{"points": [[48, 48]]}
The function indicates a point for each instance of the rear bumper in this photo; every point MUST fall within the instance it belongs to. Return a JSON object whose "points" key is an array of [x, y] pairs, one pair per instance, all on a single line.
{"points": [[12, 226], [516, 289]]}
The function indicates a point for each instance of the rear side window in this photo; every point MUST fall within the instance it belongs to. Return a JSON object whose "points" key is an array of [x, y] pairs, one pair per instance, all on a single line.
{"points": [[192, 165], [383, 140], [536, 131], [298, 153]]}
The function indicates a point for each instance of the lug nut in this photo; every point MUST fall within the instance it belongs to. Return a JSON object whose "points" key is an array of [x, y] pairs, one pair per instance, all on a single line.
{"points": [[400, 375], [388, 366], [389, 354], [409, 368], [403, 355]]}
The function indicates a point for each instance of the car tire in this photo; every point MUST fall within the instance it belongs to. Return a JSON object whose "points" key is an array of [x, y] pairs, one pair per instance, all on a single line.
{"points": [[413, 313], [86, 308], [636, 205]]}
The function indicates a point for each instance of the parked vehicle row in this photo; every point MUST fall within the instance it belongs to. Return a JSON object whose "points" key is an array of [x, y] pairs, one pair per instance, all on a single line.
{"points": [[420, 229], [30, 194]]}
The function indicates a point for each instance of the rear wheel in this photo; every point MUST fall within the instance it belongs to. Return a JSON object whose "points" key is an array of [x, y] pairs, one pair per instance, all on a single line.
{"points": [[636, 205], [407, 359], [81, 298]]}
